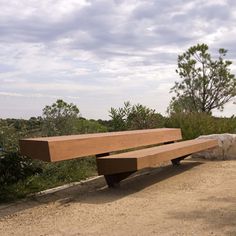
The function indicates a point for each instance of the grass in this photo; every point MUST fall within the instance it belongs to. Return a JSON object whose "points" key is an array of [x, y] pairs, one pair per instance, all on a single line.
{"points": [[53, 174]]}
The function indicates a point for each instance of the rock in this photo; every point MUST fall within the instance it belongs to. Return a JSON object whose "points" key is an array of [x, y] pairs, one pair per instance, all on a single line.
{"points": [[225, 151]]}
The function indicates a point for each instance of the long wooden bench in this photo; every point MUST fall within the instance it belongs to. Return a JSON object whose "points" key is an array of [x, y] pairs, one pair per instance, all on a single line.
{"points": [[116, 167]]}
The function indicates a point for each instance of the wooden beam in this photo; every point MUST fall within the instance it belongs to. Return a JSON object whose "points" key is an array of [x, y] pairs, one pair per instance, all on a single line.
{"points": [[151, 157], [60, 148]]}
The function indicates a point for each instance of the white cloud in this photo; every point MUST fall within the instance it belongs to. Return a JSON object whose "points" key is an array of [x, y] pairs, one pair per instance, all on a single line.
{"points": [[36, 95], [99, 54]]}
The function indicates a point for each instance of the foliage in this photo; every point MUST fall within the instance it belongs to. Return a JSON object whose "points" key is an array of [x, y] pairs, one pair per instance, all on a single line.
{"points": [[180, 105], [60, 118], [206, 84], [196, 124], [14, 167], [132, 117], [119, 117], [10, 134], [84, 126], [50, 175], [106, 123], [20, 176]]}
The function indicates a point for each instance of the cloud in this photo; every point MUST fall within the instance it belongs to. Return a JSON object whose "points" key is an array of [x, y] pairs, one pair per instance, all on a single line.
{"points": [[36, 95], [100, 53]]}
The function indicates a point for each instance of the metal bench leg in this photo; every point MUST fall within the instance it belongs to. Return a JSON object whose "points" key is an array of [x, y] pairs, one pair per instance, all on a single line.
{"points": [[114, 179], [176, 161]]}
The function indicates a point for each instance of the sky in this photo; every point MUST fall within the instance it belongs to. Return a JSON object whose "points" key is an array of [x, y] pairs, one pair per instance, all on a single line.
{"points": [[99, 54]]}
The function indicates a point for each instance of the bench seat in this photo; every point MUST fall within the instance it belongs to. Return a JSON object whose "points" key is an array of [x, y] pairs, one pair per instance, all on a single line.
{"points": [[52, 149], [117, 167], [150, 157]]}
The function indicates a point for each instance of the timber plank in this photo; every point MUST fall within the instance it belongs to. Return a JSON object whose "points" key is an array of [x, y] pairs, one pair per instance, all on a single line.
{"points": [[151, 157], [60, 148]]}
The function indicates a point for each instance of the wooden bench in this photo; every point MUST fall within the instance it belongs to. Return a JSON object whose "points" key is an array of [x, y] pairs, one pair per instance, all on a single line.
{"points": [[116, 167]]}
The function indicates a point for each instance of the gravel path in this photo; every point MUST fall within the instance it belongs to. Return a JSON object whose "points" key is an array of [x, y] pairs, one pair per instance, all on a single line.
{"points": [[197, 198]]}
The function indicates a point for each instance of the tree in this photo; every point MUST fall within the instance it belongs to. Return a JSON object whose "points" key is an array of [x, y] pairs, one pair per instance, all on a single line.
{"points": [[132, 117], [119, 117], [181, 105], [89, 126], [206, 84], [60, 118]]}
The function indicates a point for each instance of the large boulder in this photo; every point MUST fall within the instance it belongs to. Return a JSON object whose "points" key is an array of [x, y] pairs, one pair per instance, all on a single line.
{"points": [[225, 151]]}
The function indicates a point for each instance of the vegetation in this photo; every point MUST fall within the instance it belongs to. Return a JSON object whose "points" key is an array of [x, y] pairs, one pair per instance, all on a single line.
{"points": [[20, 175], [196, 124], [206, 84], [60, 118], [24, 177], [131, 117]]}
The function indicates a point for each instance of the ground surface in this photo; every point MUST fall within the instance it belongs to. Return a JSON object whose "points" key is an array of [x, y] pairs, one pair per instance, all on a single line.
{"points": [[198, 198]]}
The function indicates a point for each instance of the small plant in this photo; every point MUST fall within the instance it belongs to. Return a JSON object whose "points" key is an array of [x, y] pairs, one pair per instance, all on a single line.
{"points": [[196, 124], [14, 167], [131, 117]]}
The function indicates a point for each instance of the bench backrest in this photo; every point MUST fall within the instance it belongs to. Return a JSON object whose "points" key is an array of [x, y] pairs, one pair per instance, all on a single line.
{"points": [[72, 146]]}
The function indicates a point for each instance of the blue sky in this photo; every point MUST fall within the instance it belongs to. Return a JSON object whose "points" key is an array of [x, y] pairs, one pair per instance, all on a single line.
{"points": [[98, 54]]}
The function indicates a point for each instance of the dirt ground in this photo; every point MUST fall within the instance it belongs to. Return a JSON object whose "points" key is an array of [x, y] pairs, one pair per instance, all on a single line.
{"points": [[197, 198]]}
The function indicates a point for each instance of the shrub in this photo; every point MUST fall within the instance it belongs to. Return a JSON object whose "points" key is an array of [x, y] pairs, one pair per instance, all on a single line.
{"points": [[131, 117], [14, 167], [51, 175], [60, 118], [196, 124], [84, 126]]}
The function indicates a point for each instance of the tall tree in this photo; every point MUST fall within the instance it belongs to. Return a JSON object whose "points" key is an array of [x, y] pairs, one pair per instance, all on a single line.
{"points": [[206, 83], [60, 118]]}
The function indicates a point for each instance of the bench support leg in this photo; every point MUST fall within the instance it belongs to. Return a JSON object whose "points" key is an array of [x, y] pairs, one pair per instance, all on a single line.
{"points": [[114, 179], [102, 154], [176, 161]]}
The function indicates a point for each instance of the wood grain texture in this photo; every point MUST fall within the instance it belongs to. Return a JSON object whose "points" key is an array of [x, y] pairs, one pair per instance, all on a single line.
{"points": [[151, 157], [60, 148]]}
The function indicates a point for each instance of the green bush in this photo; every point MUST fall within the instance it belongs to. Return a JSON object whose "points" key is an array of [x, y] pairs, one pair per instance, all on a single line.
{"points": [[60, 118], [51, 175], [196, 124], [134, 117], [20, 176], [84, 126], [14, 167]]}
